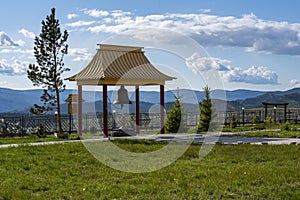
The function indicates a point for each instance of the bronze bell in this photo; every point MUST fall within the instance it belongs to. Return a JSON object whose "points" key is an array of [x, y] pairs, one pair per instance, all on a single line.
{"points": [[122, 97]]}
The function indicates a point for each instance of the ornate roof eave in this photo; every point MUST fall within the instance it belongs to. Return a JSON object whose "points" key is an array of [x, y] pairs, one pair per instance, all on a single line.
{"points": [[120, 82]]}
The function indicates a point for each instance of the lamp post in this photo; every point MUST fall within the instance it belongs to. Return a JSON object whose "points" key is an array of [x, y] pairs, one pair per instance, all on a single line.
{"points": [[275, 108], [55, 113], [243, 110]]}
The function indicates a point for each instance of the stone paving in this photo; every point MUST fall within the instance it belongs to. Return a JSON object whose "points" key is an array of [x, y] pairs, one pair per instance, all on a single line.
{"points": [[222, 138]]}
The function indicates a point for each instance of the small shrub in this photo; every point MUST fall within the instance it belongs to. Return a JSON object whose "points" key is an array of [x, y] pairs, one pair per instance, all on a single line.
{"points": [[41, 130], [285, 127], [233, 122], [255, 119], [268, 120]]}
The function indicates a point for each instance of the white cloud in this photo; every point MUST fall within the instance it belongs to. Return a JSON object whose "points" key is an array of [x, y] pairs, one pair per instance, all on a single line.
{"points": [[72, 15], [27, 33], [248, 32], [253, 75], [77, 51], [107, 29], [96, 13], [80, 23], [16, 68], [20, 42], [199, 63], [5, 40], [3, 83], [15, 50], [294, 82], [205, 10], [80, 54], [119, 13]]}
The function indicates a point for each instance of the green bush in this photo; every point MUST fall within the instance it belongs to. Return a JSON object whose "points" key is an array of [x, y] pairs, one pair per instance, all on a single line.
{"points": [[255, 119], [41, 130], [285, 127], [233, 122], [268, 120]]}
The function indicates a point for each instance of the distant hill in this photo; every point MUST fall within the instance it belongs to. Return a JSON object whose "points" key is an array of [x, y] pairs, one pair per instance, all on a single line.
{"points": [[293, 98], [21, 100]]}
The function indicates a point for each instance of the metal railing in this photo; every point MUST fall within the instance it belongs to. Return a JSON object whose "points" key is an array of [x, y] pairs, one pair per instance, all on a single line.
{"points": [[147, 121]]}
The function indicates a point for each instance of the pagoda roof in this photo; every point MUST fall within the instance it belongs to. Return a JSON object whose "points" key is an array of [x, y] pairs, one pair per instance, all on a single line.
{"points": [[120, 65]]}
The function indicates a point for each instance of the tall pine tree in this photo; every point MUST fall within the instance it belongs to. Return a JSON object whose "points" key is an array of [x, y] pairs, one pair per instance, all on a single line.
{"points": [[206, 112], [49, 50]]}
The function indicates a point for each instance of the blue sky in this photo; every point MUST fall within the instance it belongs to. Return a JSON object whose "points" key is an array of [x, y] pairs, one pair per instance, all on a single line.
{"points": [[248, 44]]}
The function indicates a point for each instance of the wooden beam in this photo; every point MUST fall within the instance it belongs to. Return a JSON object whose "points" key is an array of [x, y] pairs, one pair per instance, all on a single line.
{"points": [[162, 109], [137, 109], [105, 111], [79, 113]]}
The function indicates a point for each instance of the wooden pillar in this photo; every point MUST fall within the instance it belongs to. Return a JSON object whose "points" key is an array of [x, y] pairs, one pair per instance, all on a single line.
{"points": [[105, 111], [79, 110], [162, 109], [137, 109]]}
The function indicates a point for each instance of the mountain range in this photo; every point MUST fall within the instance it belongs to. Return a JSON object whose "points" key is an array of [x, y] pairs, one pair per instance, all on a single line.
{"points": [[21, 100]]}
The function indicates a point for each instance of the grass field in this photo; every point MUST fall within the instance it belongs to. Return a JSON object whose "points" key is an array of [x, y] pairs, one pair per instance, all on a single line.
{"points": [[33, 138], [69, 171]]}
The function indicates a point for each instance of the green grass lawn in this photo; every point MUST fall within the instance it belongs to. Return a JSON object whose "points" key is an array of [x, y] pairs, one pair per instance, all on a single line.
{"points": [[69, 171], [33, 138]]}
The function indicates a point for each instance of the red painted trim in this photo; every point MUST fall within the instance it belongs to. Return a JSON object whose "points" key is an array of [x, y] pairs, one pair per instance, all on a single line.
{"points": [[105, 111], [79, 112], [162, 110], [137, 109]]}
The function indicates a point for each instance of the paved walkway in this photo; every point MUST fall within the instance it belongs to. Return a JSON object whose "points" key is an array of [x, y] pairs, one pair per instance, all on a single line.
{"points": [[223, 138]]}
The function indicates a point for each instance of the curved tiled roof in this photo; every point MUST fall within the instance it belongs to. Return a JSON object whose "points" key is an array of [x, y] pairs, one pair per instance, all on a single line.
{"points": [[120, 65]]}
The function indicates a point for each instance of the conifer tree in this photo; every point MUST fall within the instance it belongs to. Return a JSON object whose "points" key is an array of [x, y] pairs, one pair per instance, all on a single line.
{"points": [[175, 121], [49, 50], [206, 112]]}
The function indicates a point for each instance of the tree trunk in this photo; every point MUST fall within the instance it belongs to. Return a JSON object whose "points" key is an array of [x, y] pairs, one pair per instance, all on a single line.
{"points": [[60, 130]]}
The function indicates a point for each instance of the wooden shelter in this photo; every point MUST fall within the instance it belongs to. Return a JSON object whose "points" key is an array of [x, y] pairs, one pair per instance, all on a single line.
{"points": [[119, 65], [275, 106]]}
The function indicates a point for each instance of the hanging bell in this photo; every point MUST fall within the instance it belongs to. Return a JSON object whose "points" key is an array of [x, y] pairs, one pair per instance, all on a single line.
{"points": [[122, 97]]}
